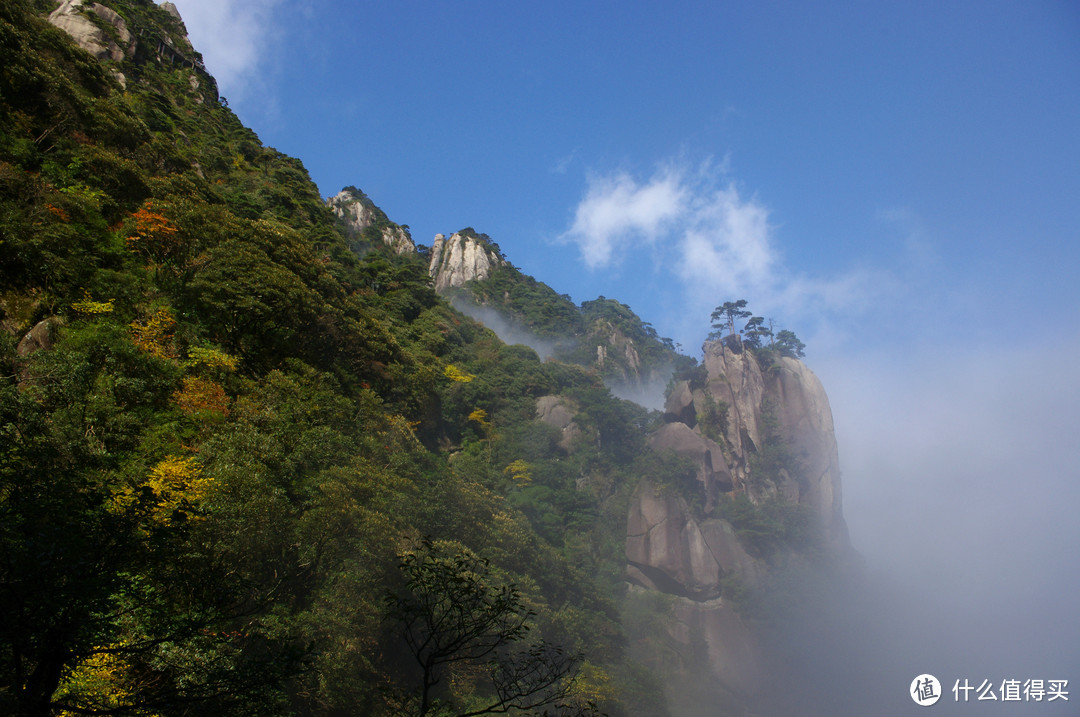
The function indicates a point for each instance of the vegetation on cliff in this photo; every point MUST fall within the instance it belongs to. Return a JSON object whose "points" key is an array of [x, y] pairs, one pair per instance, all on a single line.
{"points": [[235, 425], [240, 443]]}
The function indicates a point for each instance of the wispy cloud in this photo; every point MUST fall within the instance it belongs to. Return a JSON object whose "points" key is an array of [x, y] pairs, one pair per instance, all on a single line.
{"points": [[618, 207], [726, 241], [716, 242], [563, 164], [233, 37]]}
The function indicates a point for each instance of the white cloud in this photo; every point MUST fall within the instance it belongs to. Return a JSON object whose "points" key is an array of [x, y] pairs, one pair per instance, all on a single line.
{"points": [[232, 37], [618, 207], [725, 240], [717, 243]]}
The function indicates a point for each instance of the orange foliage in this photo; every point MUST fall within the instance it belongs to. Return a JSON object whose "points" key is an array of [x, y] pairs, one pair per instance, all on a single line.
{"points": [[60, 213], [200, 394], [155, 234]]}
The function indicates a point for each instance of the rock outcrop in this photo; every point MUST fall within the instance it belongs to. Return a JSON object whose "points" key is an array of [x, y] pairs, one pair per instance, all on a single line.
{"points": [[71, 17], [735, 380], [363, 219], [749, 410], [708, 456], [461, 258], [759, 427], [41, 337], [669, 550], [805, 421], [556, 411]]}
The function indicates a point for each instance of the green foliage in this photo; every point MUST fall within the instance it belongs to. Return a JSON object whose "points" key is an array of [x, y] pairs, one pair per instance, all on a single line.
{"points": [[205, 483], [725, 315], [754, 332], [773, 526], [714, 420], [528, 303], [453, 610], [789, 345]]}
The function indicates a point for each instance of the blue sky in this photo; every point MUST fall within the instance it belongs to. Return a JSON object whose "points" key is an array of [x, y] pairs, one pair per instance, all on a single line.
{"points": [[850, 168], [899, 183]]}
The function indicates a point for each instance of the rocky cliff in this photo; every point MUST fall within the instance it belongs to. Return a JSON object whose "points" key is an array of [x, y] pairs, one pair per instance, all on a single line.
{"points": [[463, 257], [756, 430], [365, 221], [74, 18]]}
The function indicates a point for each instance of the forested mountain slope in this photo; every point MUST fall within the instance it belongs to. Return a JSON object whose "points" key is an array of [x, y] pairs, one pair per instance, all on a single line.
{"points": [[251, 462]]}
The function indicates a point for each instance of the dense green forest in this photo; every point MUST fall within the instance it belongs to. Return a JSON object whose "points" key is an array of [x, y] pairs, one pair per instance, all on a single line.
{"points": [[229, 434], [251, 462]]}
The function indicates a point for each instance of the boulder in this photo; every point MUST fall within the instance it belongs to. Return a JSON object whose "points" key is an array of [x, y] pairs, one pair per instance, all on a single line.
{"points": [[71, 18], [41, 337], [679, 407], [556, 412]]}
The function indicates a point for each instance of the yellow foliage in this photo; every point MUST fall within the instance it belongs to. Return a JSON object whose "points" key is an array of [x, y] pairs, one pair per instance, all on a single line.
{"points": [[89, 306], [175, 478], [480, 416], [176, 483], [453, 373], [100, 680], [200, 394], [155, 336], [593, 684], [211, 358], [520, 471]]}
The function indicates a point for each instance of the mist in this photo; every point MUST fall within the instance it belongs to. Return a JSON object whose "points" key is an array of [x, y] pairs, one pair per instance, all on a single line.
{"points": [[961, 486], [648, 394], [507, 331]]}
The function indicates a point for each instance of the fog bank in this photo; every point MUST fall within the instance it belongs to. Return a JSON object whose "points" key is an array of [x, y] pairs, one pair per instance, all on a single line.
{"points": [[961, 486]]}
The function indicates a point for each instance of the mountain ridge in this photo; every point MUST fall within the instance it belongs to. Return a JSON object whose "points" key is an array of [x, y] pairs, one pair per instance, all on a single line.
{"points": [[233, 413]]}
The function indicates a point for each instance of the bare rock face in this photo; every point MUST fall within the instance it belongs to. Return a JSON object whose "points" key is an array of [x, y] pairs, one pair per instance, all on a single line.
{"points": [[735, 379], [555, 411], [625, 359], [788, 399], [359, 213], [668, 550], [763, 433], [729, 646], [805, 419], [712, 468], [459, 259], [71, 18]]}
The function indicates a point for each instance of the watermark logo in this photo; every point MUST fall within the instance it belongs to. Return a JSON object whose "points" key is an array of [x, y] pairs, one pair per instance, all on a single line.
{"points": [[925, 690]]}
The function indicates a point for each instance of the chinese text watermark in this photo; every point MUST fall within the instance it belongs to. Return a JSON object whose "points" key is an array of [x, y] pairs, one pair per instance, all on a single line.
{"points": [[926, 690]]}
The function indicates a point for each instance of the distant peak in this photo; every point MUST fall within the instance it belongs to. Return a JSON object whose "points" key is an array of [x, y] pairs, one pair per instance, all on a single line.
{"points": [[465, 256], [363, 219]]}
